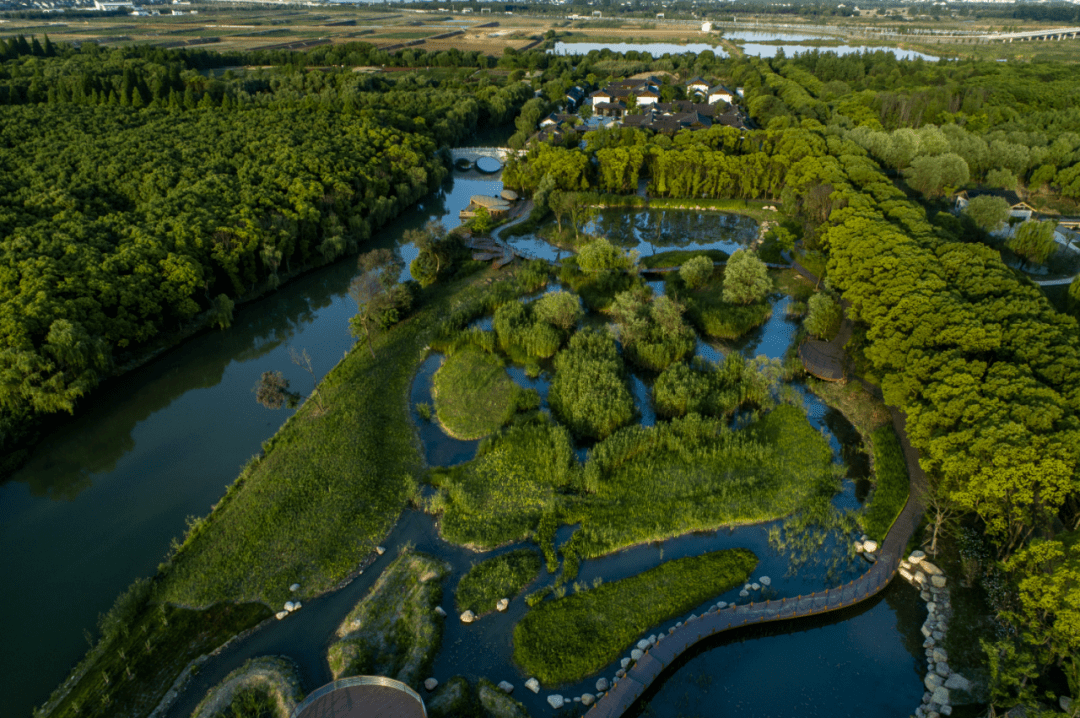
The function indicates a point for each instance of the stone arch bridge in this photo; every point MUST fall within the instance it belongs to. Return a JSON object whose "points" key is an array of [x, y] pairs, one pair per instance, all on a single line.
{"points": [[472, 154]]}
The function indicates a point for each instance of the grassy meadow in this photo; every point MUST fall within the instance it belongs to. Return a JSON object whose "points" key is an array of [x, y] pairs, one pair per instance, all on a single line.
{"points": [[474, 395], [567, 639]]}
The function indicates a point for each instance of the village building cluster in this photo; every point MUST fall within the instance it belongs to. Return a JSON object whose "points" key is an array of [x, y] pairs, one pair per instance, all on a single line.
{"points": [[637, 102]]}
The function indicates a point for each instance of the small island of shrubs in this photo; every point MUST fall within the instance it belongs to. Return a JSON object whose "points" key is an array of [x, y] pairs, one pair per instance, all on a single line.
{"points": [[567, 639], [503, 576]]}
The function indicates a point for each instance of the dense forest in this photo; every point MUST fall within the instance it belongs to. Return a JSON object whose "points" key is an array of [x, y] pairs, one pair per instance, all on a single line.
{"points": [[142, 192]]}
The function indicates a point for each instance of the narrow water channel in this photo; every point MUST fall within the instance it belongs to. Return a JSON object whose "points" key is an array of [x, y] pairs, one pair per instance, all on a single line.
{"points": [[102, 497]]}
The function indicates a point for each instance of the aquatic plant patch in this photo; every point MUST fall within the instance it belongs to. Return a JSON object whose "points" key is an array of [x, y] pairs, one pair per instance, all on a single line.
{"points": [[589, 392], [474, 395], [394, 631], [567, 639], [496, 578], [694, 474], [501, 495], [891, 484]]}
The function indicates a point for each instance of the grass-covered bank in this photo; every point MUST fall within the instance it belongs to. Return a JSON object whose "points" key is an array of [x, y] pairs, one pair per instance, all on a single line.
{"points": [[891, 484], [496, 578], [142, 651], [394, 631], [267, 686], [567, 639], [474, 395], [330, 485]]}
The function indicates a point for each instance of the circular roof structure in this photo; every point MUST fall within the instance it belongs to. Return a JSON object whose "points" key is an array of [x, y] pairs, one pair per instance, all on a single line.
{"points": [[489, 165], [362, 697]]}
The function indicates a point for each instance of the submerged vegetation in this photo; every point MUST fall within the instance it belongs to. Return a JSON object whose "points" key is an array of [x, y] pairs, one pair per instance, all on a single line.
{"points": [[567, 639], [394, 631]]}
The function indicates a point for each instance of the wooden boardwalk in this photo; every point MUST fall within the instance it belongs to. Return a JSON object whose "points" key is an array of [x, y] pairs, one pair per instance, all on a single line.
{"points": [[641, 675]]}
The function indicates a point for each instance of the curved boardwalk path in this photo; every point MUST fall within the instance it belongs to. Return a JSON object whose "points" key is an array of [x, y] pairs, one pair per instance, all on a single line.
{"points": [[620, 698]]}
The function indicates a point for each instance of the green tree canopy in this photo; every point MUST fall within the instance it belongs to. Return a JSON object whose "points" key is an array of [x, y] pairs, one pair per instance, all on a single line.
{"points": [[746, 278]]}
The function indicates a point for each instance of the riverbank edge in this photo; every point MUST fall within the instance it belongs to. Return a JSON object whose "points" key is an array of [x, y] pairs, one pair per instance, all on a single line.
{"points": [[15, 457], [86, 664]]}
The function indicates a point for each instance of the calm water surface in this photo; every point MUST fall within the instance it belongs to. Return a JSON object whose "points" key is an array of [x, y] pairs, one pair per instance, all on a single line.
{"points": [[658, 49]]}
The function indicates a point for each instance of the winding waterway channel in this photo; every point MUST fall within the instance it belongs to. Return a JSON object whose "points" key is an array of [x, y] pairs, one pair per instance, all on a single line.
{"points": [[102, 497]]}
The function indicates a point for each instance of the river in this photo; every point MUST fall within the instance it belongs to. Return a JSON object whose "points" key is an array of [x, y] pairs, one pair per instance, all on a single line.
{"points": [[101, 498]]}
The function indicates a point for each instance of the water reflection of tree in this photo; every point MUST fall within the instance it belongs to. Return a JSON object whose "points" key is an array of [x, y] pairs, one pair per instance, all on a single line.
{"points": [[63, 465]]}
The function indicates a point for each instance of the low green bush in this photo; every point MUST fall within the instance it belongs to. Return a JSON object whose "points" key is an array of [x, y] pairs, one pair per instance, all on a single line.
{"points": [[501, 495], [264, 687], [589, 392], [704, 387], [474, 395], [497, 704], [394, 631], [597, 289], [567, 639], [453, 698], [500, 577], [710, 314], [716, 318], [652, 330], [891, 484]]}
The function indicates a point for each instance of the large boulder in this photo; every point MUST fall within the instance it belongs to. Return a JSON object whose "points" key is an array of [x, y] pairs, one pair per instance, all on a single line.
{"points": [[502, 605], [643, 644], [533, 685], [506, 686], [601, 685], [380, 550], [624, 662], [941, 696], [957, 682], [281, 614], [937, 581], [939, 655], [430, 684], [587, 699], [636, 654], [930, 568], [468, 617], [441, 611], [555, 701], [870, 546], [916, 557], [765, 581], [294, 588]]}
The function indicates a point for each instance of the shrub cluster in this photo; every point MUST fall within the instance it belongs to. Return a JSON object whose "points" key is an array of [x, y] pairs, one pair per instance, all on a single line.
{"points": [[704, 387], [652, 331], [589, 393]]}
